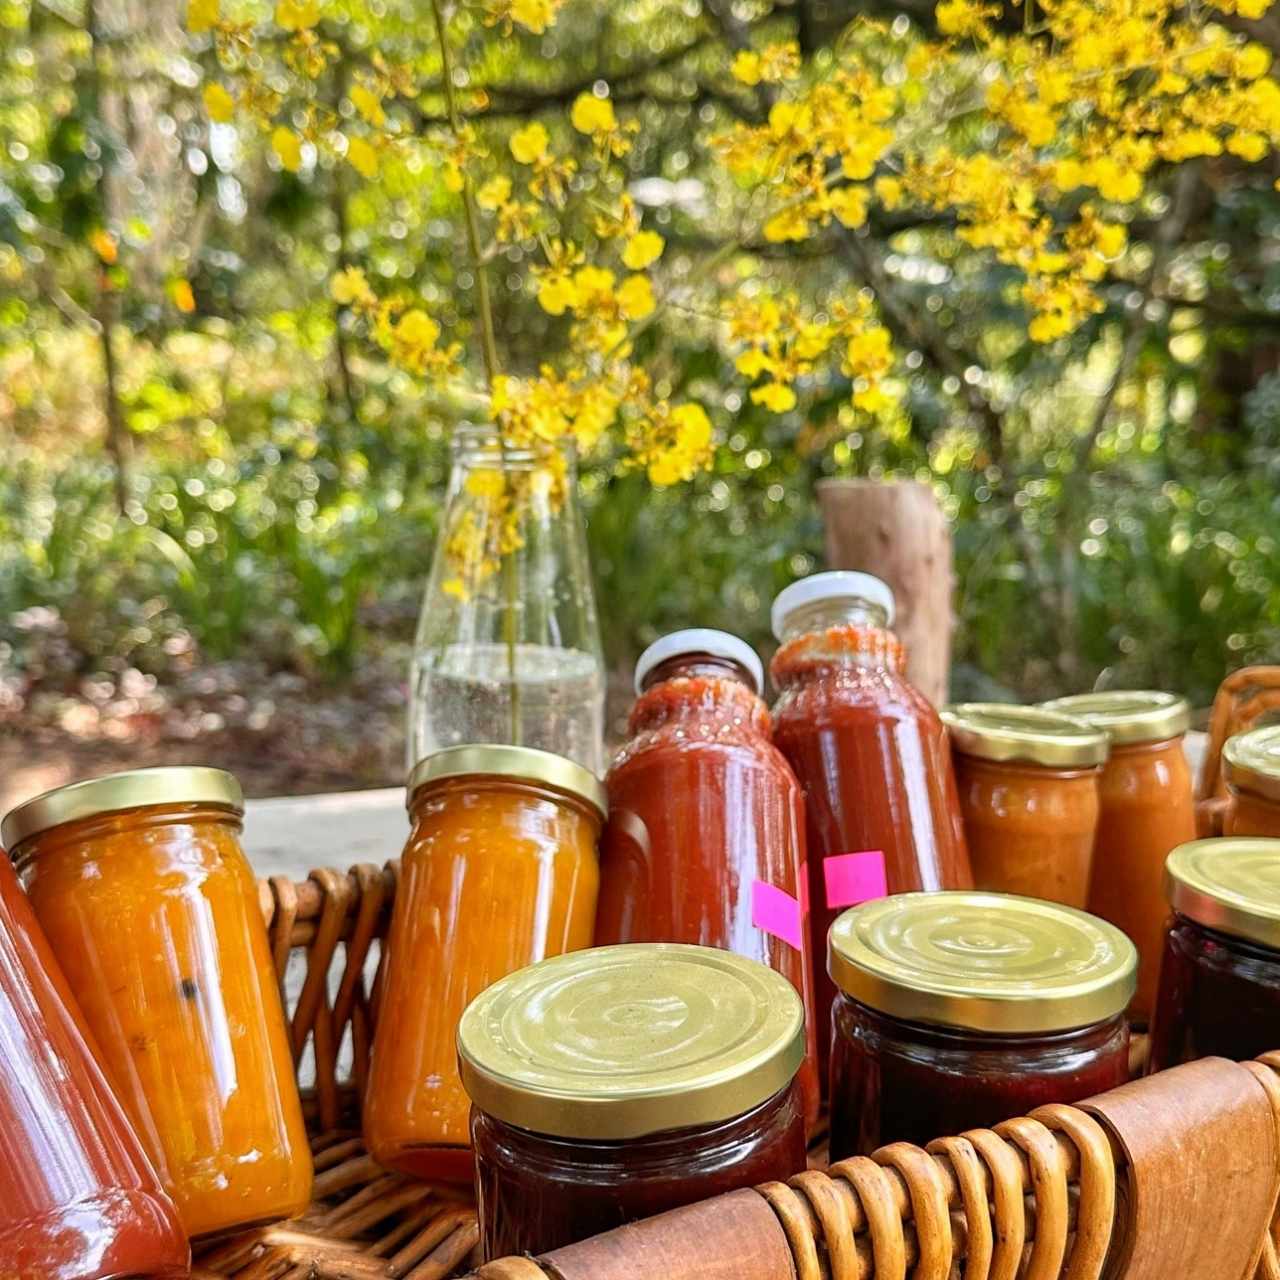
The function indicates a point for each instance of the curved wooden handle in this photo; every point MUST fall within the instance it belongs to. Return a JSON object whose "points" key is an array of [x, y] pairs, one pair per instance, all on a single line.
{"points": [[1243, 698]]}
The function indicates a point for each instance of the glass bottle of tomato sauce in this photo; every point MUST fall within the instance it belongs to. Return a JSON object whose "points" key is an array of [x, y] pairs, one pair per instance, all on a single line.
{"points": [[705, 838], [78, 1198], [621, 1082], [871, 754]]}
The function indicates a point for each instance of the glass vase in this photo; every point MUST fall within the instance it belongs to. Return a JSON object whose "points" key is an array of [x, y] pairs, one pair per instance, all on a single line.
{"points": [[508, 644]]}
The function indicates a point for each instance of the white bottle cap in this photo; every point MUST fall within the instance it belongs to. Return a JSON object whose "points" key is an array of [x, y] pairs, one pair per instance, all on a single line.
{"points": [[719, 644], [839, 585]]}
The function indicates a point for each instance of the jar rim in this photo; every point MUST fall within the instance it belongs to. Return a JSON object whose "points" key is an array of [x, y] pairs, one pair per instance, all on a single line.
{"points": [[132, 789], [994, 962], [1251, 760], [700, 640], [1229, 883], [625, 1041], [1006, 732], [523, 764], [479, 439], [1129, 716]]}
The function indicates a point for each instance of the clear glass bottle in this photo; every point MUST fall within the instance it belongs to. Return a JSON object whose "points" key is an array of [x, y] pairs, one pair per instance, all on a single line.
{"points": [[508, 644]]}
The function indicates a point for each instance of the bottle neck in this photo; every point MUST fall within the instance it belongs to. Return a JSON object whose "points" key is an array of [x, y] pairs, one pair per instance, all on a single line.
{"points": [[822, 615], [705, 693]]}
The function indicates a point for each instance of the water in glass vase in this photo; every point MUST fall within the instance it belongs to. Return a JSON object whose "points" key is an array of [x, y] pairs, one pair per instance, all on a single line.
{"points": [[463, 694]]}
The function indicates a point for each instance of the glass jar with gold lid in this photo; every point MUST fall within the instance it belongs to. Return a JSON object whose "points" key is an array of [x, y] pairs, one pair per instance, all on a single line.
{"points": [[139, 882], [500, 870], [624, 1081], [1028, 785], [958, 1010], [1146, 809], [1220, 975], [1251, 766]]}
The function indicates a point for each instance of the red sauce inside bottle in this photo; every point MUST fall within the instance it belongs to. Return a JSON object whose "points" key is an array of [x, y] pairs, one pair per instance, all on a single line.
{"points": [[873, 759], [78, 1199], [538, 1193], [702, 806]]}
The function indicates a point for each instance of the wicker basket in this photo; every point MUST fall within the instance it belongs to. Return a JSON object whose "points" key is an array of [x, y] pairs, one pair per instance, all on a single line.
{"points": [[1117, 1189]]}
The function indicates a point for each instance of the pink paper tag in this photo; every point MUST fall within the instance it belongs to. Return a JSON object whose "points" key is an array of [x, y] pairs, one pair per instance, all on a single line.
{"points": [[777, 913], [855, 877]]}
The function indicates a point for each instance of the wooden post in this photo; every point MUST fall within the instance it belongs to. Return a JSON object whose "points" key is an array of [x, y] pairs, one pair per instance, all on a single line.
{"points": [[896, 530]]}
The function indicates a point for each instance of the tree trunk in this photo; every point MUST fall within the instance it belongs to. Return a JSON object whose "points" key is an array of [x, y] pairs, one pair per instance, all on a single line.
{"points": [[896, 530]]}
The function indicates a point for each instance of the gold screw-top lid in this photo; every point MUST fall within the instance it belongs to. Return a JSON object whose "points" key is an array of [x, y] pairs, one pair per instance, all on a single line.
{"points": [[1001, 731], [619, 1042], [523, 763], [136, 789], [1128, 715], [1252, 761], [1231, 884], [982, 961]]}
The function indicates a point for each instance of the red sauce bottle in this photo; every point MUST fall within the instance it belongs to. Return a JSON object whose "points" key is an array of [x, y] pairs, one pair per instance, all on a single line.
{"points": [[78, 1199], [705, 838], [871, 753]]}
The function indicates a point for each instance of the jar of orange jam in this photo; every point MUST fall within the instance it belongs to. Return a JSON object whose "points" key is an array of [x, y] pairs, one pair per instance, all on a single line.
{"points": [[500, 871], [1028, 784], [1251, 766], [1147, 810], [141, 886]]}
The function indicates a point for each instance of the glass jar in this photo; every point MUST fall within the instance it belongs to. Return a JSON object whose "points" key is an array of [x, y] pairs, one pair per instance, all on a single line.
{"points": [[960, 1010], [141, 886], [78, 1198], [1251, 766], [705, 838], [1147, 808], [625, 1081], [1028, 785], [1220, 976], [871, 754], [499, 871], [508, 643]]}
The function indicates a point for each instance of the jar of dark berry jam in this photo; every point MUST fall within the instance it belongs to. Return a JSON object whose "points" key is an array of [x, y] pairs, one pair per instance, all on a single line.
{"points": [[958, 1010], [612, 1084], [1220, 973]]}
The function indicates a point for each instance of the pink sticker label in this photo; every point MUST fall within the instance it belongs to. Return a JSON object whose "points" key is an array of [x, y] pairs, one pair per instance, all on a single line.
{"points": [[777, 913], [855, 877]]}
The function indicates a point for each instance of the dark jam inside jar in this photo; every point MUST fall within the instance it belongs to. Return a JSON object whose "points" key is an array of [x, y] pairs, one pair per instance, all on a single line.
{"points": [[537, 1192], [1219, 996], [898, 1081]]}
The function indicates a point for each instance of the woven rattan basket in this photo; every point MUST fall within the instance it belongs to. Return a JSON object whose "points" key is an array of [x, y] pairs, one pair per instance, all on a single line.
{"points": [[1175, 1178]]}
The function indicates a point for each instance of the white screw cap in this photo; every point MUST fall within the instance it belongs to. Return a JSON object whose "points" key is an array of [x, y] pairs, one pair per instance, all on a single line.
{"points": [[720, 644]]}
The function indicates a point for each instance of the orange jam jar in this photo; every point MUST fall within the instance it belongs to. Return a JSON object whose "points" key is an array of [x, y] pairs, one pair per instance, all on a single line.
{"points": [[141, 886], [500, 871], [1028, 784], [1251, 766], [1147, 810]]}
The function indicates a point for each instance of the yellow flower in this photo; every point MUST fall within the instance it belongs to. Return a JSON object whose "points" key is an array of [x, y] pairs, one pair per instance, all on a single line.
{"points": [[368, 104], [1253, 61], [644, 248], [180, 293], [849, 204], [964, 18], [556, 294], [218, 103], [451, 176], [534, 15], [494, 193], [104, 245], [775, 396], [751, 364], [1247, 145], [746, 67], [529, 144], [592, 115], [297, 15], [202, 15], [693, 427], [487, 482], [350, 288], [635, 297], [362, 157], [812, 340], [454, 587], [288, 148], [789, 224], [413, 340], [889, 192]]}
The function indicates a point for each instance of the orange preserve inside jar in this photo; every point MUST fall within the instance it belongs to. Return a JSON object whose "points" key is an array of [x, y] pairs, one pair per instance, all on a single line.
{"points": [[1147, 809], [1251, 766], [147, 899], [500, 870], [1028, 784]]}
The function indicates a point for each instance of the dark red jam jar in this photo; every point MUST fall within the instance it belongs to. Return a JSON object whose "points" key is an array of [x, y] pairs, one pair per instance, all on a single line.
{"points": [[1220, 972], [959, 1010], [612, 1084]]}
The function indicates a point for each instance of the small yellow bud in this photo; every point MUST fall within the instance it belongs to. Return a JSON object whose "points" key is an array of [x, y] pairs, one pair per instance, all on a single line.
{"points": [[775, 396], [202, 15], [183, 298], [362, 157], [592, 115], [635, 297], [644, 248], [494, 193], [746, 67], [288, 148], [297, 15], [218, 103], [529, 144]]}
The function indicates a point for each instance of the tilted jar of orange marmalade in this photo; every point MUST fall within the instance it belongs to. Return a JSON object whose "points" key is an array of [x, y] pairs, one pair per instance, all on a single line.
{"points": [[1251, 766], [1028, 784], [141, 886], [500, 870], [1147, 810]]}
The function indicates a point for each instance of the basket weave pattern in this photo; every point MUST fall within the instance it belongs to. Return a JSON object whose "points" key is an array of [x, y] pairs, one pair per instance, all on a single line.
{"points": [[1035, 1199]]}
